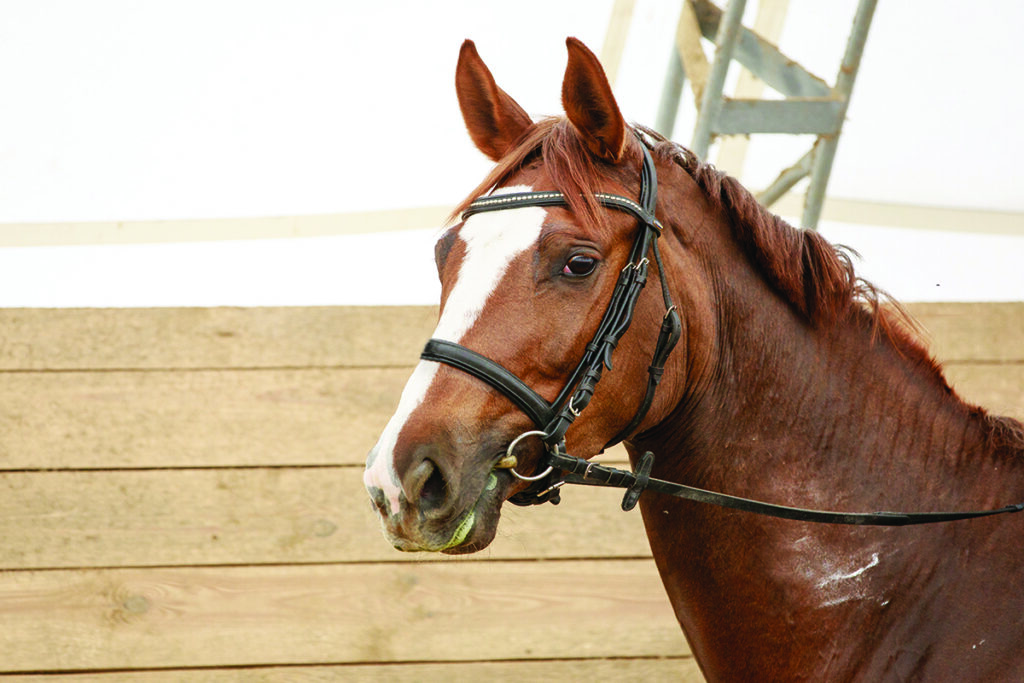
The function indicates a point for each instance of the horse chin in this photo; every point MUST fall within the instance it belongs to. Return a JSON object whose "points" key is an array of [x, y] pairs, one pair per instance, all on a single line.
{"points": [[469, 531], [480, 535], [480, 525]]}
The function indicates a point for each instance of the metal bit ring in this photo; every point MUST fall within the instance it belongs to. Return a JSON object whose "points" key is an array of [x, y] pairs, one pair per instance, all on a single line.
{"points": [[509, 454]]}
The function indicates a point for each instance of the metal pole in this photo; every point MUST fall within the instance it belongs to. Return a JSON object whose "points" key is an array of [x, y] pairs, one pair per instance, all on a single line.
{"points": [[615, 38], [821, 166], [786, 180], [711, 102], [671, 92]]}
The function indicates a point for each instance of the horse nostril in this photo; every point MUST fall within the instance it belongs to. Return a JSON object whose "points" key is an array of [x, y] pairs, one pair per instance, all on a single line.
{"points": [[430, 487], [380, 501], [435, 490]]}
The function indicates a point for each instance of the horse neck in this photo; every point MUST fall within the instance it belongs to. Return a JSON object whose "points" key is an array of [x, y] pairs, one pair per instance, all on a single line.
{"points": [[838, 419], [835, 417]]}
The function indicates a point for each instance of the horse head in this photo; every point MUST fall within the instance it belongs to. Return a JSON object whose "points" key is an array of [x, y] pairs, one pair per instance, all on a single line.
{"points": [[527, 288]]}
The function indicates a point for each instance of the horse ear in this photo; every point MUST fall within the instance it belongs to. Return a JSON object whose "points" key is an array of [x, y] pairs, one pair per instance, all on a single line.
{"points": [[589, 103], [494, 120]]}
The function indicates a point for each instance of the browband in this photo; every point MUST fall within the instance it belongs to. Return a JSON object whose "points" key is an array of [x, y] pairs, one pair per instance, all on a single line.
{"points": [[520, 199]]}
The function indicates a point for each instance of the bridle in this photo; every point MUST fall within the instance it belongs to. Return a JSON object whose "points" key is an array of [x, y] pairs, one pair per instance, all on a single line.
{"points": [[554, 419]]}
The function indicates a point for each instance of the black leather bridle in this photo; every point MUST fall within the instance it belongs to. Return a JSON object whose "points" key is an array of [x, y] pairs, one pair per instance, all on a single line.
{"points": [[553, 419]]}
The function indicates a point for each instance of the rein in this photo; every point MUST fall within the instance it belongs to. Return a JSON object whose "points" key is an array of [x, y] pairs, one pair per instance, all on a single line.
{"points": [[581, 471], [553, 419]]}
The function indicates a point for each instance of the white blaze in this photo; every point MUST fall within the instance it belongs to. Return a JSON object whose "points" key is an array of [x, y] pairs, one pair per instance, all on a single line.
{"points": [[492, 240]]}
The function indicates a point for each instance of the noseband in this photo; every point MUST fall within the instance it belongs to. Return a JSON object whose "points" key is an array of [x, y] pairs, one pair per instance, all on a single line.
{"points": [[553, 419]]}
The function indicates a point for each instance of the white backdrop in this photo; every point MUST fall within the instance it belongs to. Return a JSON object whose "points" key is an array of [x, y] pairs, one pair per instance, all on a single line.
{"points": [[120, 111]]}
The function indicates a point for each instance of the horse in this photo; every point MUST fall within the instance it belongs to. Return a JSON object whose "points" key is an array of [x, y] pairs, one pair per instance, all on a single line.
{"points": [[783, 377]]}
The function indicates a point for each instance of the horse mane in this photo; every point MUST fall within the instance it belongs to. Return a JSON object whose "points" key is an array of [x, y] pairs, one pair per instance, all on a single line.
{"points": [[818, 279], [815, 277]]}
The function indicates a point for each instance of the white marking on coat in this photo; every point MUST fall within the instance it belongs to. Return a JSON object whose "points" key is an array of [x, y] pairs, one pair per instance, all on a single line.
{"points": [[492, 241], [380, 469], [841, 576], [835, 578]]}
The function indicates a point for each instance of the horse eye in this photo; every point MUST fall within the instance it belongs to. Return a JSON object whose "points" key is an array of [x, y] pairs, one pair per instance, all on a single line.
{"points": [[580, 265]]}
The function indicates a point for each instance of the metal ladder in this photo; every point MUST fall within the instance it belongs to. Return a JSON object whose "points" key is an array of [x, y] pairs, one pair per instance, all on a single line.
{"points": [[811, 105]]}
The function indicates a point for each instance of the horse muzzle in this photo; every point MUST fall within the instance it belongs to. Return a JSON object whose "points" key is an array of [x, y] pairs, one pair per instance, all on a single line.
{"points": [[435, 512]]}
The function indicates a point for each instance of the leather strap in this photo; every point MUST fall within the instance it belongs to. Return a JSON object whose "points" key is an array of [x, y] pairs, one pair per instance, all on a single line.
{"points": [[481, 367], [584, 472], [671, 330], [517, 200]]}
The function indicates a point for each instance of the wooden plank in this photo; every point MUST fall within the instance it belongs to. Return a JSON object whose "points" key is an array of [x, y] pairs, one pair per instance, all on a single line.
{"points": [[768, 23], [363, 613], [680, 669], [615, 38], [194, 418], [970, 221], [249, 418], [973, 331], [275, 516], [763, 58], [691, 53], [89, 339], [219, 229], [997, 388], [347, 336]]}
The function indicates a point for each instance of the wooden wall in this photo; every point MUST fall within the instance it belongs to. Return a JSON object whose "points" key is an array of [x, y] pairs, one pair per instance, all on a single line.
{"points": [[181, 498]]}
